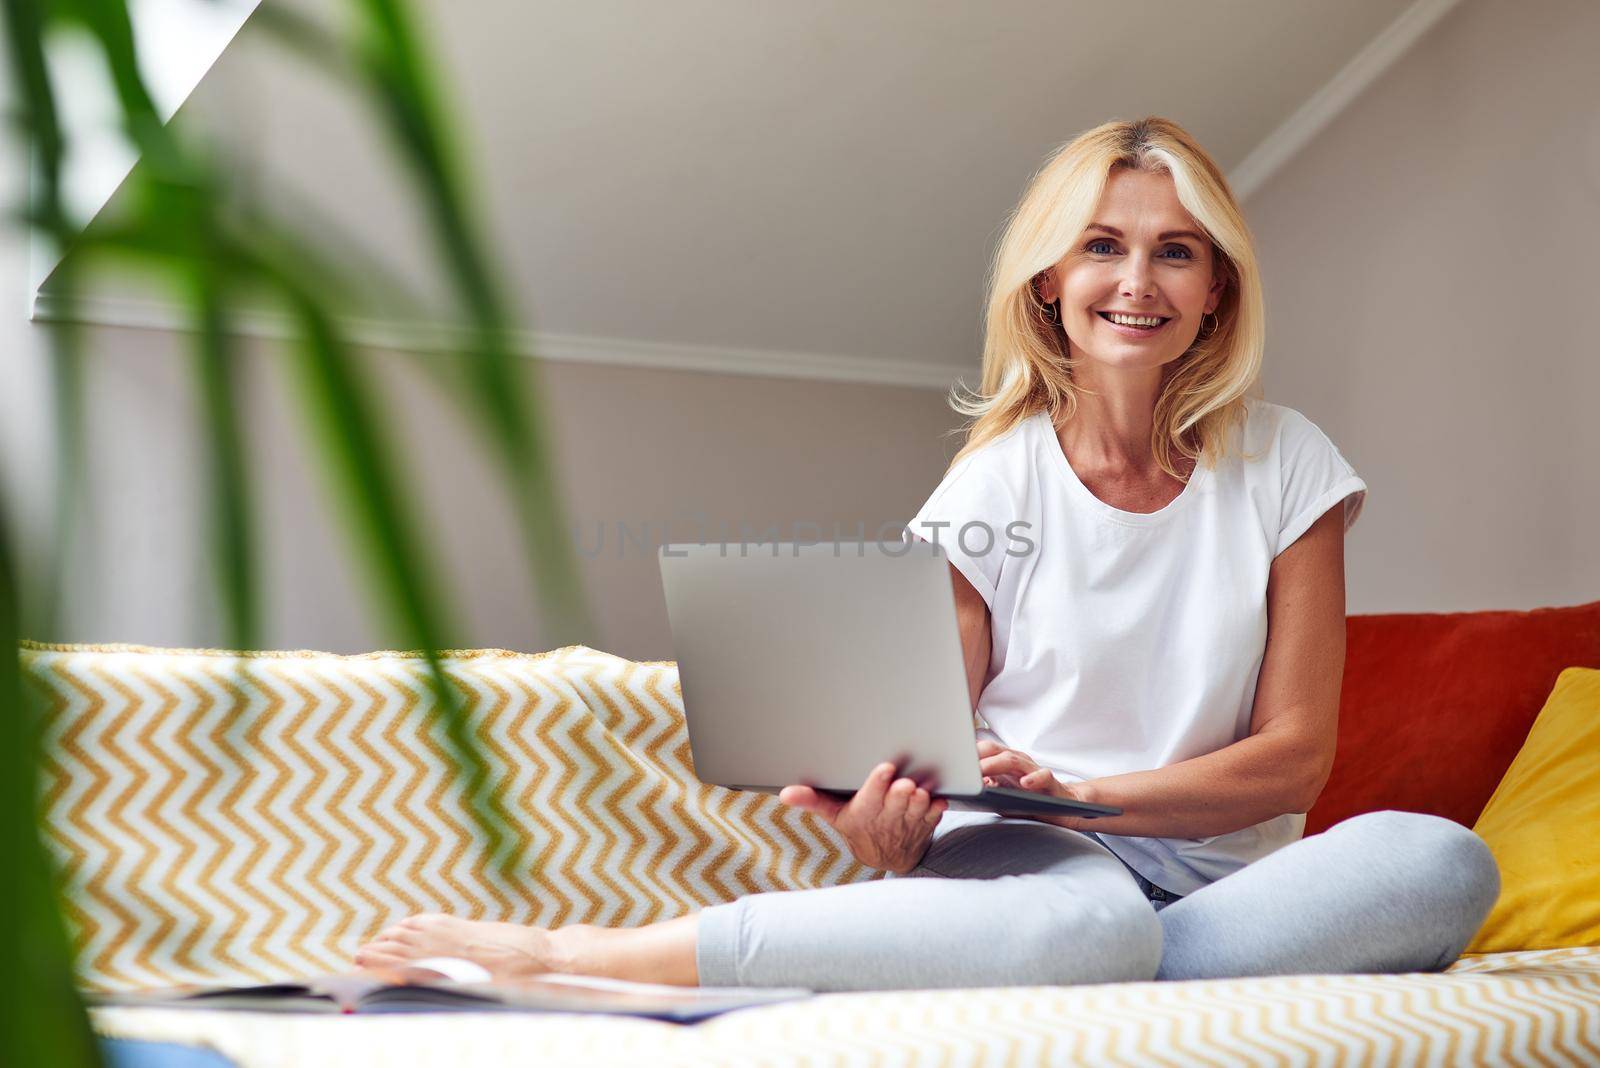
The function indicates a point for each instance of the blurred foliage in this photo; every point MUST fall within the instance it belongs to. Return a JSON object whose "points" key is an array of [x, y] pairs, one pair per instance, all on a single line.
{"points": [[185, 217]]}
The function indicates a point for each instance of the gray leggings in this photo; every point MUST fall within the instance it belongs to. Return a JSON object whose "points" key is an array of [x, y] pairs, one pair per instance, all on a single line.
{"points": [[1016, 902]]}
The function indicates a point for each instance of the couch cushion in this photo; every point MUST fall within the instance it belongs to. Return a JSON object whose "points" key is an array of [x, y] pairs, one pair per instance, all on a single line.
{"points": [[1543, 826], [1436, 705], [225, 818]]}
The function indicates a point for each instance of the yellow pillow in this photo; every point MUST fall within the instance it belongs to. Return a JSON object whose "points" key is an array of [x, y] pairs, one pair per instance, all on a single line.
{"points": [[1543, 826]]}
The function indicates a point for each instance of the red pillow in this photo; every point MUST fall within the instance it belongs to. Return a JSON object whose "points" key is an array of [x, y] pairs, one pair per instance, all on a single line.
{"points": [[1436, 705]]}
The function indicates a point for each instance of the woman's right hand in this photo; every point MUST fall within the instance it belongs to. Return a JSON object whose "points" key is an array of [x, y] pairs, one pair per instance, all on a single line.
{"points": [[887, 824]]}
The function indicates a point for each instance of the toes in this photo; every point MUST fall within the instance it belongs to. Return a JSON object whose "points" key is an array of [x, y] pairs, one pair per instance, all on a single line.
{"points": [[375, 955], [385, 948], [500, 947], [379, 961]]}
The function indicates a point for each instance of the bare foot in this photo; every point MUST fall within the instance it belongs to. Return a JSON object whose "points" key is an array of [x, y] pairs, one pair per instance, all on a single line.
{"points": [[507, 950], [661, 952]]}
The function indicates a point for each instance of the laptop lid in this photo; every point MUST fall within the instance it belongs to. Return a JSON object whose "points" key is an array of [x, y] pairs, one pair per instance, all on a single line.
{"points": [[811, 663]]}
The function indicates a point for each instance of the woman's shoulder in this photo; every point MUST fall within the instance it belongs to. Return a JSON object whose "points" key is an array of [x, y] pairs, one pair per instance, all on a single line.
{"points": [[1004, 457], [1303, 469], [1270, 427]]}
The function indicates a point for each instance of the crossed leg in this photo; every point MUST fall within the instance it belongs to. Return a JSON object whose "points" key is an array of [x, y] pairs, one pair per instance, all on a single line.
{"points": [[1380, 892], [996, 902], [1010, 901]]}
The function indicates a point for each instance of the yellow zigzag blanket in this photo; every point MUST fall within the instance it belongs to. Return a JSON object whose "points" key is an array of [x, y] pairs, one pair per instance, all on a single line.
{"points": [[228, 818]]}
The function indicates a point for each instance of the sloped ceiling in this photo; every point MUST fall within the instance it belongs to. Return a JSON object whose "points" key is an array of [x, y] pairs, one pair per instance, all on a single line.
{"points": [[822, 180]]}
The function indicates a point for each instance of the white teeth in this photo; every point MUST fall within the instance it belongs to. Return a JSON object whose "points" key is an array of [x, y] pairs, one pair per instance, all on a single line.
{"points": [[1134, 320]]}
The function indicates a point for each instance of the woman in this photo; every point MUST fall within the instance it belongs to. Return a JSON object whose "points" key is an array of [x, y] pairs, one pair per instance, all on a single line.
{"points": [[1170, 642]]}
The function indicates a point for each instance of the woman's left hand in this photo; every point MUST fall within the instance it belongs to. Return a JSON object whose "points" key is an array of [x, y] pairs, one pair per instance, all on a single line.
{"points": [[1012, 767]]}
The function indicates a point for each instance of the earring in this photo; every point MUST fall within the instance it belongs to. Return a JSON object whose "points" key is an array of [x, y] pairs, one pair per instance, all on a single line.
{"points": [[1214, 322], [1049, 313]]}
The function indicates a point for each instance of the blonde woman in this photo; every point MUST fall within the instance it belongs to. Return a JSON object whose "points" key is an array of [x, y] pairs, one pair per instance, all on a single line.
{"points": [[1149, 572]]}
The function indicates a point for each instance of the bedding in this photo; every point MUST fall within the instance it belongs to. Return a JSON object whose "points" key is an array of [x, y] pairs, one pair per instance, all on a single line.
{"points": [[228, 819], [1516, 1008]]}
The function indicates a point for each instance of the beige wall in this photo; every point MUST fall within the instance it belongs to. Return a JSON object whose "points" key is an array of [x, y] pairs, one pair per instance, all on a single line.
{"points": [[670, 455], [1404, 251], [666, 453], [1430, 264]]}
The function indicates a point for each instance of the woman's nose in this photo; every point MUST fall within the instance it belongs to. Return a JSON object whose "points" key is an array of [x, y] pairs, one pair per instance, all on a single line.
{"points": [[1137, 280]]}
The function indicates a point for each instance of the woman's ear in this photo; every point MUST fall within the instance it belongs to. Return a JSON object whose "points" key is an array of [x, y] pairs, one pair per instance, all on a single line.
{"points": [[1044, 284], [1214, 294]]}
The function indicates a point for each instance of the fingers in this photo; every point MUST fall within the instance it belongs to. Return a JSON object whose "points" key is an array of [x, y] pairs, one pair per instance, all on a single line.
{"points": [[898, 798], [1008, 762], [873, 791], [1040, 780], [882, 797], [804, 797], [917, 805], [989, 747], [798, 796]]}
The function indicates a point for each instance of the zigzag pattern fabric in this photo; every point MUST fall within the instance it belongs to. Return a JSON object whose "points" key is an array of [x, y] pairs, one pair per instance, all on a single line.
{"points": [[233, 818], [1537, 1007]]}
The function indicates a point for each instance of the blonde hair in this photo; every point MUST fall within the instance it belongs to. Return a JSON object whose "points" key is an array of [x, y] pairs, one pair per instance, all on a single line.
{"points": [[1026, 367]]}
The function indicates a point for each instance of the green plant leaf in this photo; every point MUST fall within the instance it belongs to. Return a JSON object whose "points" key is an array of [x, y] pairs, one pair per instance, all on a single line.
{"points": [[366, 482], [233, 548], [191, 221], [406, 97], [42, 1020]]}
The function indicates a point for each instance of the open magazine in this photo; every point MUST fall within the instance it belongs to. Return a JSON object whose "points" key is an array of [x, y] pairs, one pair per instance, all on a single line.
{"points": [[417, 989]]}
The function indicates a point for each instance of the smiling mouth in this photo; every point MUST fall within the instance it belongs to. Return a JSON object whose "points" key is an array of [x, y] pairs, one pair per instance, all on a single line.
{"points": [[1165, 319]]}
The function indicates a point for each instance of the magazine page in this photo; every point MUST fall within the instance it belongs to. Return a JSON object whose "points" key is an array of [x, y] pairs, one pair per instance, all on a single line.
{"points": [[414, 989], [570, 993], [296, 996]]}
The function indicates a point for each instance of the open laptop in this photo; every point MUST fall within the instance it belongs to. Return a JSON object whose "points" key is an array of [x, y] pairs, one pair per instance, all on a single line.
{"points": [[813, 662]]}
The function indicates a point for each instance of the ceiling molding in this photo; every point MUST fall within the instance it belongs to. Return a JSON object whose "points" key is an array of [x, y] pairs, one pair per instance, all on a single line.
{"points": [[136, 314], [1312, 117]]}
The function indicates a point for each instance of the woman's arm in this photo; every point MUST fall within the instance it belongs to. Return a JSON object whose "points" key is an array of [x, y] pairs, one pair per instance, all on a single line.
{"points": [[1284, 763], [972, 614]]}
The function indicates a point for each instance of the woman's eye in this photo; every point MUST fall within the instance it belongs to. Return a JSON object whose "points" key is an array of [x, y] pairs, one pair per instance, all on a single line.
{"points": [[1093, 247]]}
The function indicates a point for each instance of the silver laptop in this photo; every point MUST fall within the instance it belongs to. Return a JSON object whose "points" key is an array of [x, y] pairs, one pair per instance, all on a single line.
{"points": [[812, 663]]}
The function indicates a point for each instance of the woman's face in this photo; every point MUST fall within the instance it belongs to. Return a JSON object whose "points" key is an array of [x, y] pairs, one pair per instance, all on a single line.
{"points": [[1142, 253]]}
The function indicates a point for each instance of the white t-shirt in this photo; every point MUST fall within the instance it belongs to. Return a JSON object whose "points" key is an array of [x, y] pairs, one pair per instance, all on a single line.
{"points": [[1125, 641]]}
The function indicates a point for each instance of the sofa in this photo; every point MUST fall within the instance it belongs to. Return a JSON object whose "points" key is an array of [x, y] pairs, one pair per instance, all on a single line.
{"points": [[238, 817]]}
